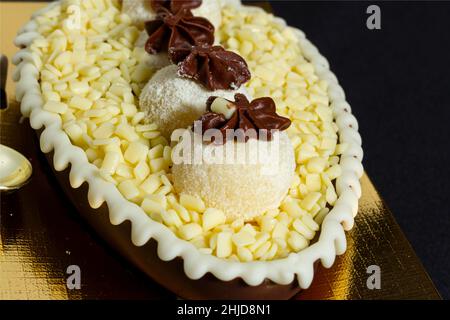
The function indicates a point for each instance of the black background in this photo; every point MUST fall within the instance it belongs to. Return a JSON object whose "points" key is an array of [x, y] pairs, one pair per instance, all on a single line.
{"points": [[397, 81]]}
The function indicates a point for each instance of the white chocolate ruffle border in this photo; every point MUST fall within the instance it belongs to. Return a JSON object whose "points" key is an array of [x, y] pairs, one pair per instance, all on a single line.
{"points": [[331, 242]]}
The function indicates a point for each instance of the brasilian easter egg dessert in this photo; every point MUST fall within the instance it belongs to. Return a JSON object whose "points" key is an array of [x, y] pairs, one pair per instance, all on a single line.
{"points": [[214, 129]]}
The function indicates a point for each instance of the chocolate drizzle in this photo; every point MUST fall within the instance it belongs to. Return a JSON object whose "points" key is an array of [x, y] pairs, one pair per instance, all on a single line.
{"points": [[175, 5], [260, 114], [212, 66], [178, 28]]}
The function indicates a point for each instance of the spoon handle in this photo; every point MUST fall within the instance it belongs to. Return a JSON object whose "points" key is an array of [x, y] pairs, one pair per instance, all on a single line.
{"points": [[3, 77]]}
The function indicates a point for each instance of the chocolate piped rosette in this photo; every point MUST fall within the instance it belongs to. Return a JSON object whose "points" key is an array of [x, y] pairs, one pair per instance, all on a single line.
{"points": [[213, 127]]}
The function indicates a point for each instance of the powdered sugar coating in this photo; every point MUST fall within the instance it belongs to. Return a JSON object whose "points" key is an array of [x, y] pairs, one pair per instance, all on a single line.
{"points": [[242, 190]]}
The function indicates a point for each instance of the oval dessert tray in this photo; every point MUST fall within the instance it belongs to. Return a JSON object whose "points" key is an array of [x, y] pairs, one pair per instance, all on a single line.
{"points": [[105, 83]]}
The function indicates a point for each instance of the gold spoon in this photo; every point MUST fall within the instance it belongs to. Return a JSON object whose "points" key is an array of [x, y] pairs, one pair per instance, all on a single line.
{"points": [[15, 169]]}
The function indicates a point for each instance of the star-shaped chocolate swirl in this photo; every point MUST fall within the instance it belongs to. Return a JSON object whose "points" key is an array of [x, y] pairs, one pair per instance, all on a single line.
{"points": [[212, 66], [177, 29], [175, 5], [259, 114]]}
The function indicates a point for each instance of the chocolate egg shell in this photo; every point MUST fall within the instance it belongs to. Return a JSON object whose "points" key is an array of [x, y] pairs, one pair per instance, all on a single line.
{"points": [[168, 274]]}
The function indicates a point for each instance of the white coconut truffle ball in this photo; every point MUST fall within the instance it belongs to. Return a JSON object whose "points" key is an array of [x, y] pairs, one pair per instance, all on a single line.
{"points": [[174, 102], [211, 10], [142, 39], [152, 61], [141, 11], [242, 188]]}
